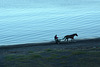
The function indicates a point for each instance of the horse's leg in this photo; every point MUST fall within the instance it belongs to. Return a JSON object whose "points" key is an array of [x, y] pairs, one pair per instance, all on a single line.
{"points": [[72, 38], [65, 39]]}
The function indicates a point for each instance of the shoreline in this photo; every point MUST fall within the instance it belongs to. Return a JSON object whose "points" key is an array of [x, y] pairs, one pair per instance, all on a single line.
{"points": [[82, 41]]}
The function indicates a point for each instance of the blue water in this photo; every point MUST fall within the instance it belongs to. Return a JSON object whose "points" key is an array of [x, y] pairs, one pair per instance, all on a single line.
{"points": [[36, 21]]}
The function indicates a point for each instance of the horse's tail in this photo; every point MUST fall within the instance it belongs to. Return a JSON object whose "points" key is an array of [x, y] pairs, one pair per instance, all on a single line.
{"points": [[63, 38]]}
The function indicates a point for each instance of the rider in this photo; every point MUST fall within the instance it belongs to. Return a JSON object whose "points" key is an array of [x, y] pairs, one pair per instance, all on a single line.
{"points": [[56, 39]]}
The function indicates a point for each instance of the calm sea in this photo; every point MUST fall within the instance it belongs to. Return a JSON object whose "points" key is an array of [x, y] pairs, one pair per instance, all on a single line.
{"points": [[34, 25]]}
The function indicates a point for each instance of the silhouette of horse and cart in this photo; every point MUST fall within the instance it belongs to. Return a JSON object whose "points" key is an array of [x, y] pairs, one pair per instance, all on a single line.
{"points": [[65, 38]]}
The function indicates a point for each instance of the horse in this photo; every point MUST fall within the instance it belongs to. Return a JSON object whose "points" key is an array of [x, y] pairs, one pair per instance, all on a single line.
{"points": [[70, 36]]}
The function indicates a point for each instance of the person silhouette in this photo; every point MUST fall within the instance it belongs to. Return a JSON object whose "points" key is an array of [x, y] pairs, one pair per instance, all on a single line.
{"points": [[56, 39]]}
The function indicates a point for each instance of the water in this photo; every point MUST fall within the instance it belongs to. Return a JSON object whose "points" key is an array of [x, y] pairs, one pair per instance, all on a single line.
{"points": [[38, 21]]}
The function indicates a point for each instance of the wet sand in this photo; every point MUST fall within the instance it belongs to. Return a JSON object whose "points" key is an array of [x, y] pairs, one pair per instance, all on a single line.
{"points": [[86, 43]]}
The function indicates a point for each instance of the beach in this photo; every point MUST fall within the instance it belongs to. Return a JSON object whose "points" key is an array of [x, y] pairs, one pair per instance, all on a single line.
{"points": [[28, 27], [39, 54]]}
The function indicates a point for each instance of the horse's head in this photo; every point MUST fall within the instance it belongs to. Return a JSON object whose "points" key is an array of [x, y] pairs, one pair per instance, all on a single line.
{"points": [[76, 34]]}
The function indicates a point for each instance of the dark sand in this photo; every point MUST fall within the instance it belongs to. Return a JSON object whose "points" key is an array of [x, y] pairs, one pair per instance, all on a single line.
{"points": [[86, 43], [36, 47]]}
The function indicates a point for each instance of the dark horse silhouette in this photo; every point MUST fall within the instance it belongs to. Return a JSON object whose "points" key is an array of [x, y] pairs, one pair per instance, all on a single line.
{"points": [[70, 36]]}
